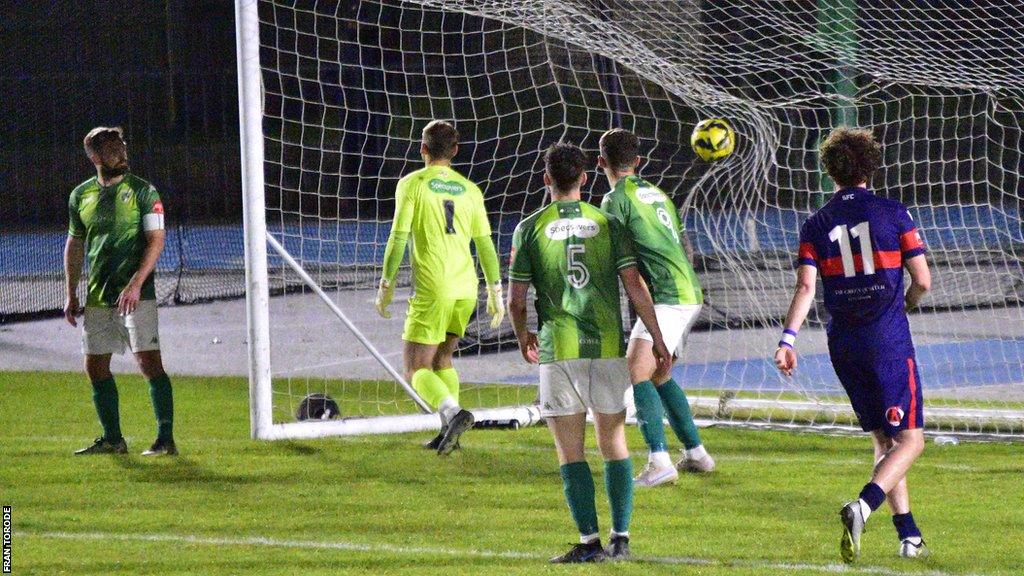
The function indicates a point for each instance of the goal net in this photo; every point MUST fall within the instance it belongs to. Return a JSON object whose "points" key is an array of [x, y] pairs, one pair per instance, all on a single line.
{"points": [[342, 89]]}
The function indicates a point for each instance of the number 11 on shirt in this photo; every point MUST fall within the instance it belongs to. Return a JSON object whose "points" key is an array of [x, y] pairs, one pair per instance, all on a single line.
{"points": [[862, 232]]}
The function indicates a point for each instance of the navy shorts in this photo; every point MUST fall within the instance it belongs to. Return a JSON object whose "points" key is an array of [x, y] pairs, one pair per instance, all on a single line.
{"points": [[885, 393]]}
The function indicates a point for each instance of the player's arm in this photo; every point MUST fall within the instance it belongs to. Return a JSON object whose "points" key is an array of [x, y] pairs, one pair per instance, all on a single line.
{"points": [[74, 256], [920, 280], [395, 249], [152, 214], [912, 250], [520, 275], [640, 297], [803, 298], [488, 257], [638, 293], [517, 313]]}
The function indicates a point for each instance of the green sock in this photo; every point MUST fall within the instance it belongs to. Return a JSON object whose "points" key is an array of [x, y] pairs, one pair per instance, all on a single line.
{"points": [[104, 396], [451, 379], [650, 416], [679, 416], [578, 483], [431, 388], [618, 483], [163, 406]]}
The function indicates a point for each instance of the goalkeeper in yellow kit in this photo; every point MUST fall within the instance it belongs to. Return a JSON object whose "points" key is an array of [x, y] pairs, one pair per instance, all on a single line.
{"points": [[440, 211]]}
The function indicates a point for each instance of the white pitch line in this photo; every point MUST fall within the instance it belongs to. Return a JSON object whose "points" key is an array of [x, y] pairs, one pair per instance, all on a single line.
{"points": [[441, 551]]}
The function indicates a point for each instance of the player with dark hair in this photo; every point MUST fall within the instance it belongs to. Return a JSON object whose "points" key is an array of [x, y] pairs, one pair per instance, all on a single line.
{"points": [[650, 219], [442, 212], [861, 243], [119, 219], [572, 254]]}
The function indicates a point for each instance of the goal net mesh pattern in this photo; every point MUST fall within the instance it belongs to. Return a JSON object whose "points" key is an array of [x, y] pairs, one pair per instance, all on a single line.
{"points": [[348, 86]]}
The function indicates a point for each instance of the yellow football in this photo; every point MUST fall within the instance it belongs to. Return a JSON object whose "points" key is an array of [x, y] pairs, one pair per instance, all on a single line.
{"points": [[713, 139]]}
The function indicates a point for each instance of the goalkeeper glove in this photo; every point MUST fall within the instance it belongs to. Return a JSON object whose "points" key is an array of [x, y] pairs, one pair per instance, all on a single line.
{"points": [[495, 304], [384, 294]]}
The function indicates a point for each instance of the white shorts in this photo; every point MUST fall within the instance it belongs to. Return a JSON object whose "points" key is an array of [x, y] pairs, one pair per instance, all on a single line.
{"points": [[572, 386], [675, 321], [104, 331]]}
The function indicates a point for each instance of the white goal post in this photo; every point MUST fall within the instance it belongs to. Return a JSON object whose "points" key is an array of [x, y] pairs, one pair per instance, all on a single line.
{"points": [[333, 94]]}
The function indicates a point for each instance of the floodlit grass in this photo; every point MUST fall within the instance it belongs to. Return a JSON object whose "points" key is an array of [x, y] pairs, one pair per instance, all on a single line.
{"points": [[382, 505]]}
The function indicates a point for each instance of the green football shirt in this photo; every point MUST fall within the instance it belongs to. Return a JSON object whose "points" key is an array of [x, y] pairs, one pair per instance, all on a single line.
{"points": [[651, 220], [112, 220], [571, 252], [442, 211]]}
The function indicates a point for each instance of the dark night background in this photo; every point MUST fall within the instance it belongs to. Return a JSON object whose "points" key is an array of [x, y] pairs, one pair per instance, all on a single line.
{"points": [[348, 85]]}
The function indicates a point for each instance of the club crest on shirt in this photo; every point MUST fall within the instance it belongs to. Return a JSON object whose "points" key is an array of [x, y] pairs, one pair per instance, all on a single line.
{"points": [[649, 195], [894, 415], [126, 195], [563, 228]]}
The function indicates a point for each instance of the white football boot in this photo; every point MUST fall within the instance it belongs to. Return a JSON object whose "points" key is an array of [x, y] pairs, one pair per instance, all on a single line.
{"points": [[696, 460], [655, 474], [911, 549]]}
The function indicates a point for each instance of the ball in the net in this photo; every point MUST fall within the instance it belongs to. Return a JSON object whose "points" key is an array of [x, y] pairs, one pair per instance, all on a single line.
{"points": [[713, 139]]}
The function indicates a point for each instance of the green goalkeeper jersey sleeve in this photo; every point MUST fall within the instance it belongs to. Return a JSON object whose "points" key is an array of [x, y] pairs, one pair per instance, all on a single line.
{"points": [[652, 223], [571, 252], [113, 221], [442, 211]]}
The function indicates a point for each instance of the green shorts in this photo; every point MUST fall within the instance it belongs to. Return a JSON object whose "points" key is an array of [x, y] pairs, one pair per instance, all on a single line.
{"points": [[428, 321]]}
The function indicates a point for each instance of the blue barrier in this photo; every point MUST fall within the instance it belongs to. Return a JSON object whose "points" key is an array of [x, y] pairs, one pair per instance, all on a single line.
{"points": [[204, 247]]}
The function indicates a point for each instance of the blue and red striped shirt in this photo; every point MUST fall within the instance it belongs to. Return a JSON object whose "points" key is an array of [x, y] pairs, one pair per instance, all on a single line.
{"points": [[859, 242]]}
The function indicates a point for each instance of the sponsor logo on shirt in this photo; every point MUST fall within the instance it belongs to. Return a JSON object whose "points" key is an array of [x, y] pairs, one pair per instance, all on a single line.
{"points": [[649, 195], [563, 228], [126, 195], [894, 415], [439, 186]]}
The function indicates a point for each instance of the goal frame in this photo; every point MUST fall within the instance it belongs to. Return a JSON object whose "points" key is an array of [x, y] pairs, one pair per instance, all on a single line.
{"points": [[823, 415], [257, 280]]}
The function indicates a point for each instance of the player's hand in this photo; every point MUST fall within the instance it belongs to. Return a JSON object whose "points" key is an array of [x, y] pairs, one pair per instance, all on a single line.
{"points": [[529, 348], [785, 360], [128, 300], [385, 291], [663, 358], [71, 309], [495, 304]]}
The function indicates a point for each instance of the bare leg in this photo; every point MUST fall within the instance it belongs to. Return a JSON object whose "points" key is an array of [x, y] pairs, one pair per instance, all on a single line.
{"points": [[443, 356], [899, 496], [417, 357], [150, 363], [568, 432], [892, 467], [640, 358], [611, 435], [97, 367]]}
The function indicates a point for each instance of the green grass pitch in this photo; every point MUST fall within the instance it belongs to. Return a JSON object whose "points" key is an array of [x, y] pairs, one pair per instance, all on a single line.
{"points": [[382, 505]]}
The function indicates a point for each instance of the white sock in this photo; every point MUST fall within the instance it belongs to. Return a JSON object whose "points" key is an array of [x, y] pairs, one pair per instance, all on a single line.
{"points": [[915, 540], [620, 534], [865, 510], [448, 408], [588, 538], [696, 453], [661, 459]]}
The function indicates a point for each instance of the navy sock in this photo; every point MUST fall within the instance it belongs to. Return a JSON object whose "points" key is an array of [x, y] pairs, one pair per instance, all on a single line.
{"points": [[872, 494], [905, 526]]}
